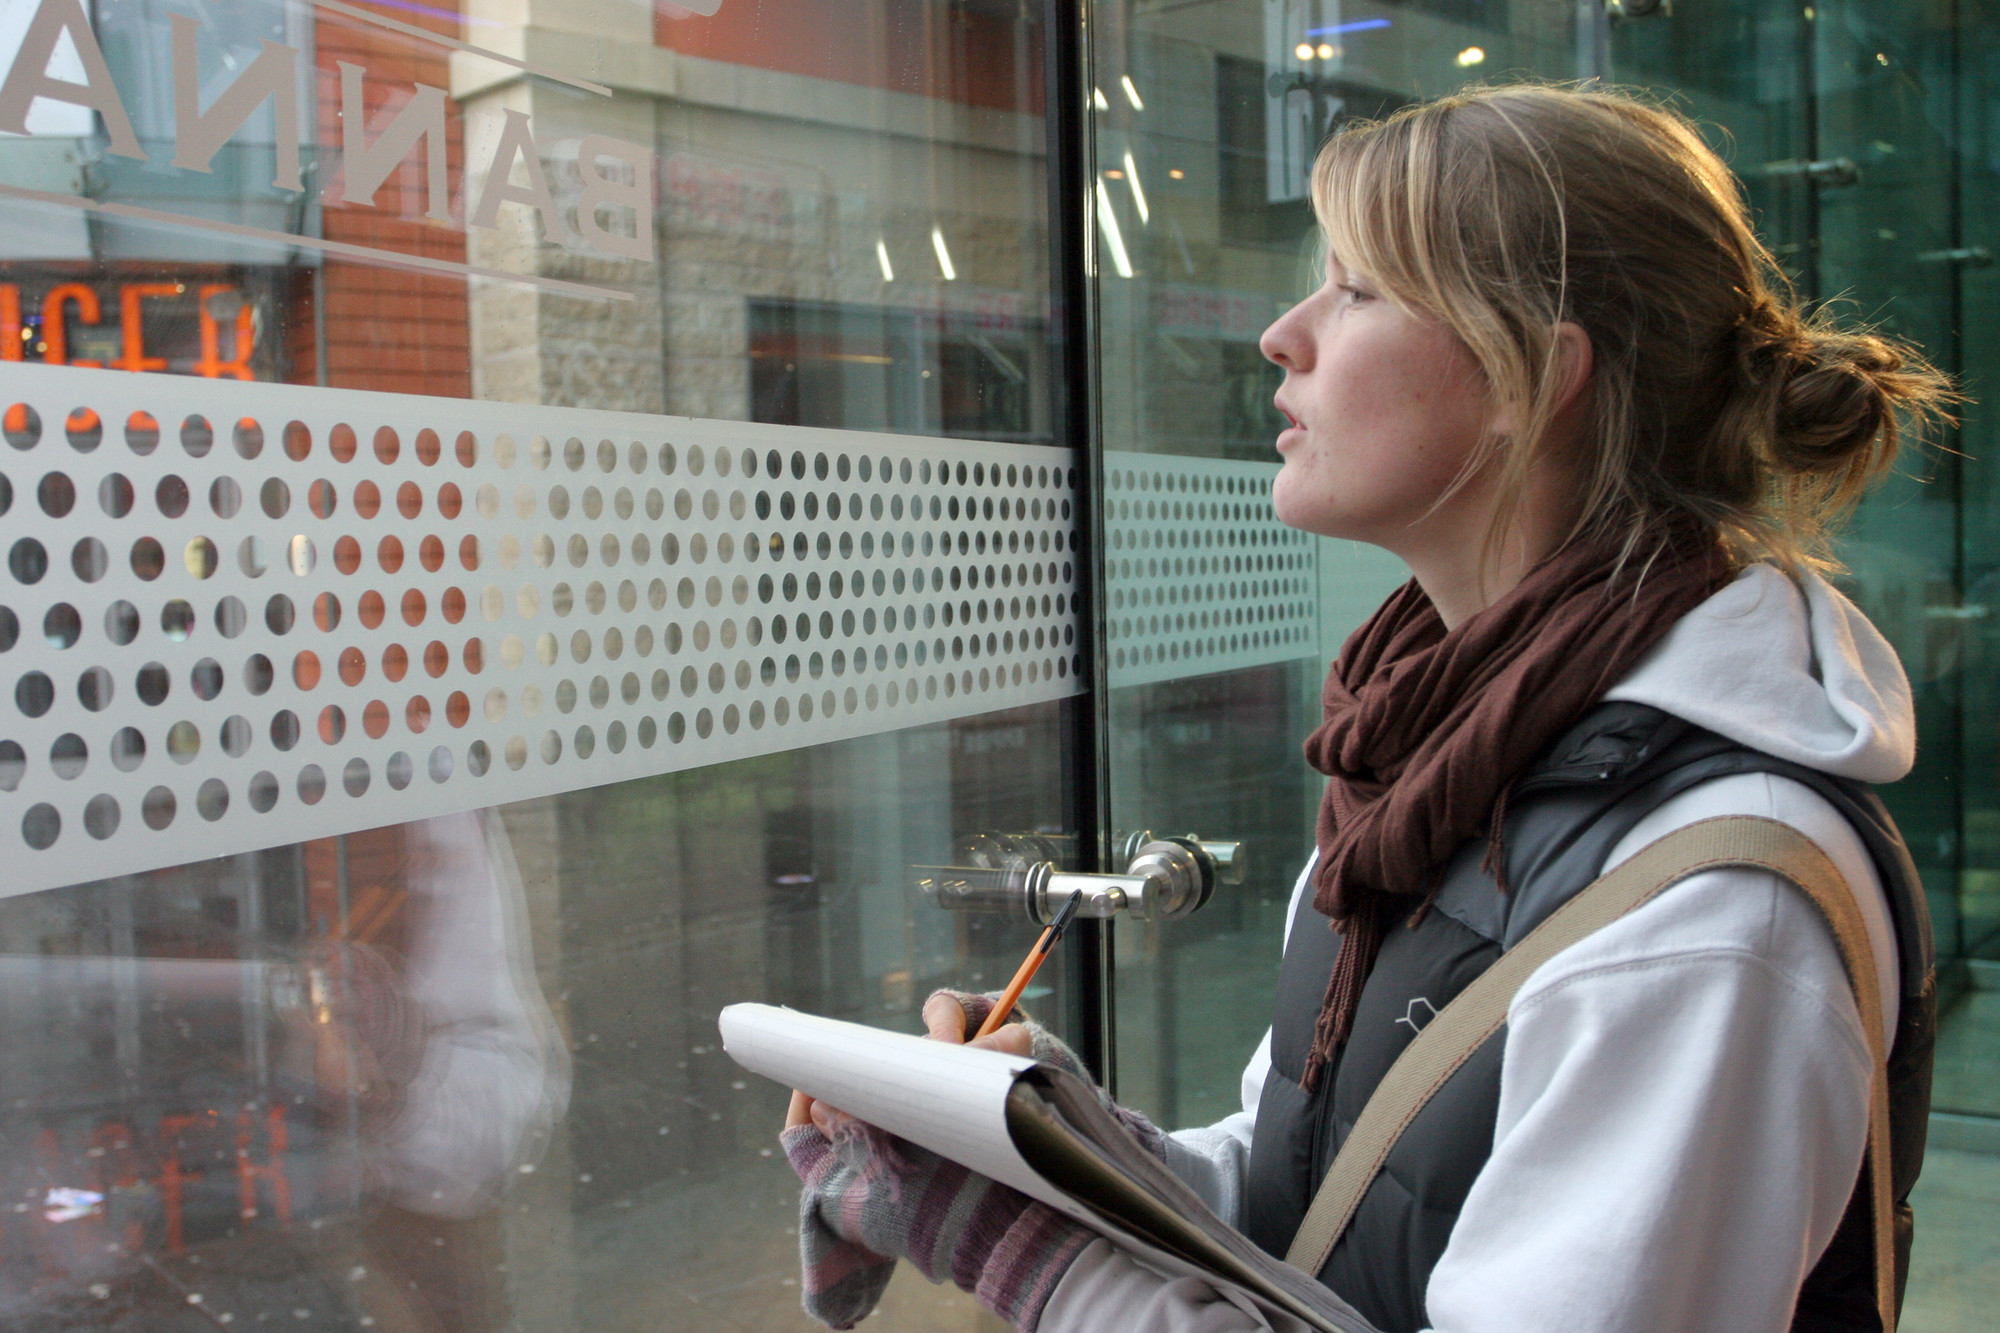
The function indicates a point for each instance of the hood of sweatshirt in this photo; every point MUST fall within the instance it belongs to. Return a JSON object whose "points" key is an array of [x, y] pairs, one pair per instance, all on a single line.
{"points": [[1788, 667]]}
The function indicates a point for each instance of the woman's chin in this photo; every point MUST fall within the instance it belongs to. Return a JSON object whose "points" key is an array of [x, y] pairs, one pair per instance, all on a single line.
{"points": [[1313, 514], [1297, 511]]}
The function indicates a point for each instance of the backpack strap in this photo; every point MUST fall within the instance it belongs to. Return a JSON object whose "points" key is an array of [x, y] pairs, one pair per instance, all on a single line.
{"points": [[1480, 1010]]}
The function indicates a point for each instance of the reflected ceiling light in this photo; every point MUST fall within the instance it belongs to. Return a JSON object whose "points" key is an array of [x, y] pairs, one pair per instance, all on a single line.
{"points": [[1114, 240], [1327, 52], [1470, 56], [944, 255], [1177, 174], [1138, 191], [1304, 51], [1131, 93], [1097, 99], [1358, 25], [882, 257]]}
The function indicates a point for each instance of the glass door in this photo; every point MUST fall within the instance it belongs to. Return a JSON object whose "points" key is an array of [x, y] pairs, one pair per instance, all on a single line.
{"points": [[523, 524]]}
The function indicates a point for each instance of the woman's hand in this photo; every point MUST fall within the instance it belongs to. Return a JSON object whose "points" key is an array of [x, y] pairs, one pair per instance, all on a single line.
{"points": [[868, 1199], [946, 1019]]}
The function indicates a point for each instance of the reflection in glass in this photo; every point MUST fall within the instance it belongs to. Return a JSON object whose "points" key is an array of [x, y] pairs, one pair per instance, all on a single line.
{"points": [[210, 1070], [461, 1074], [473, 1058]]}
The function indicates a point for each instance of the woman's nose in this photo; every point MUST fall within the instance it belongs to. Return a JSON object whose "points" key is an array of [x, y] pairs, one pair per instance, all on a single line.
{"points": [[1281, 342]]}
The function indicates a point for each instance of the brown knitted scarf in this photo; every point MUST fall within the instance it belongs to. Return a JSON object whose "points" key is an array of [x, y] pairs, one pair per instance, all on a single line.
{"points": [[1426, 729]]}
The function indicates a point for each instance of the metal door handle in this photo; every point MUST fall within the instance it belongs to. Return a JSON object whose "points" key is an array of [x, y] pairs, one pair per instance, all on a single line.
{"points": [[1164, 879], [1825, 171], [1966, 256]]}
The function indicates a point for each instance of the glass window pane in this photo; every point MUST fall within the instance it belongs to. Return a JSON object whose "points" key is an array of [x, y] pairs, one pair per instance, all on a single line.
{"points": [[593, 519]]}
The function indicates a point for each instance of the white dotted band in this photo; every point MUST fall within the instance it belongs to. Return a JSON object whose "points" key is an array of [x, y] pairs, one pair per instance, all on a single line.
{"points": [[1200, 576], [241, 615]]}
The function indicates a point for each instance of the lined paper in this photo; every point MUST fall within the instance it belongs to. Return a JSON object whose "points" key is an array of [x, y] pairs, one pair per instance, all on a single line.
{"points": [[949, 1099]]}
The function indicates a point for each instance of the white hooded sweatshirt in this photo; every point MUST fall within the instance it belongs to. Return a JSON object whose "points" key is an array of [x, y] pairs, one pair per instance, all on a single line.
{"points": [[1683, 1095]]}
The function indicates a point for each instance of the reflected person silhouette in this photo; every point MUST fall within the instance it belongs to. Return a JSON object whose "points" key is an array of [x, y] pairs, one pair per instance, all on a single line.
{"points": [[285, 1081], [437, 1030]]}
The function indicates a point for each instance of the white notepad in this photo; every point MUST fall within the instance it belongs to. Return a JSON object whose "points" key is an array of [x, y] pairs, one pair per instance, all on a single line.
{"points": [[1029, 1125]]}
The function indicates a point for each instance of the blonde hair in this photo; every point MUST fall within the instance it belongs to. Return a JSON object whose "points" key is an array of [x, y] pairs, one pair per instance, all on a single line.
{"points": [[1507, 211]]}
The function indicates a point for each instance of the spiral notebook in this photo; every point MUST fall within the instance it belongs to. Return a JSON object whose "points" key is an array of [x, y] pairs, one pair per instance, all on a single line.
{"points": [[1035, 1127]]}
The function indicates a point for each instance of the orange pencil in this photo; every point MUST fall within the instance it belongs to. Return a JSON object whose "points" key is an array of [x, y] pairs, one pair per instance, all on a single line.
{"points": [[1029, 967]]}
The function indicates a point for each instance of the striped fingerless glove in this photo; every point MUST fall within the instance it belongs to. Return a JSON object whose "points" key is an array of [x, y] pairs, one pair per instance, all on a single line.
{"points": [[871, 1198]]}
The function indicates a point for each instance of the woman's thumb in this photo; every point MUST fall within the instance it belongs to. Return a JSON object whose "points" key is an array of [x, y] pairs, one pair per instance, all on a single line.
{"points": [[944, 1019]]}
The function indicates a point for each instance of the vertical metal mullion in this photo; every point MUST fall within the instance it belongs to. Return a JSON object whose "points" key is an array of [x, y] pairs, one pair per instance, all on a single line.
{"points": [[1073, 333], [1593, 40], [1954, 458], [1809, 222], [1955, 235]]}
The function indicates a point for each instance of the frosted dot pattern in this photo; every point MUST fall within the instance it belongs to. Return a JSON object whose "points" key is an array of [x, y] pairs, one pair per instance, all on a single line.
{"points": [[336, 610], [1200, 576]]}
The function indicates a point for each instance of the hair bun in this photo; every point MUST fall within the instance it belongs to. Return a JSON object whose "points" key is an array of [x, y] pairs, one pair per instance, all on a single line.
{"points": [[1835, 403], [1832, 392]]}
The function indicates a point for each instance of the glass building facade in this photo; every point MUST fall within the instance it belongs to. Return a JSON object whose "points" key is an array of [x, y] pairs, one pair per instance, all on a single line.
{"points": [[526, 523]]}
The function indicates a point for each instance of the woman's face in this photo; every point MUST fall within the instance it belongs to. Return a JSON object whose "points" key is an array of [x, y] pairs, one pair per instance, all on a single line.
{"points": [[1382, 409]]}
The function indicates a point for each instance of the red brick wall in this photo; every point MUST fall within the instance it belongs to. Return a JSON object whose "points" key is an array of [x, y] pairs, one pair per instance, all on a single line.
{"points": [[910, 46], [387, 328]]}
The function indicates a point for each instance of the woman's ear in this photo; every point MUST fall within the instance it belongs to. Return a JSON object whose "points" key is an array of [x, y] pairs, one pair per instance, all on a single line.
{"points": [[1575, 360]]}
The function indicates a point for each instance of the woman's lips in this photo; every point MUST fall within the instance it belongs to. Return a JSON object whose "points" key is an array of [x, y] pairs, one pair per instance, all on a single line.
{"points": [[1292, 429]]}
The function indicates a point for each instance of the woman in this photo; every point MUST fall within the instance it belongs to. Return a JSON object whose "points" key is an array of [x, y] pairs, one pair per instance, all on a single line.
{"points": [[1552, 369]]}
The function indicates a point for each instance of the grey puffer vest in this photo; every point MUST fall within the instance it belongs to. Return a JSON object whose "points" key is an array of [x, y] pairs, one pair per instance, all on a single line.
{"points": [[1563, 817]]}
